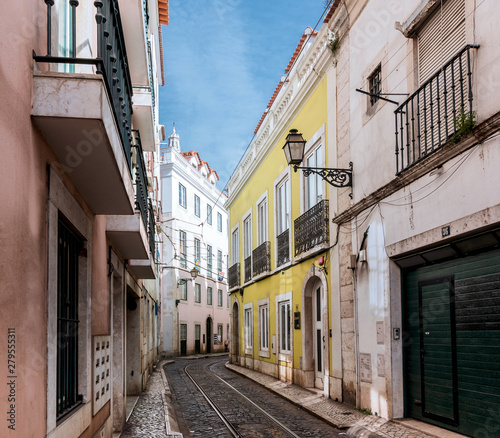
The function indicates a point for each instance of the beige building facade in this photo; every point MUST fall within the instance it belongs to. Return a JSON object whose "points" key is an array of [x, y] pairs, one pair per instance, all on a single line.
{"points": [[79, 282]]}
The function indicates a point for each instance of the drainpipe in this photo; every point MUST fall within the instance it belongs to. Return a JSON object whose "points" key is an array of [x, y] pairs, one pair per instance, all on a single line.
{"points": [[356, 337]]}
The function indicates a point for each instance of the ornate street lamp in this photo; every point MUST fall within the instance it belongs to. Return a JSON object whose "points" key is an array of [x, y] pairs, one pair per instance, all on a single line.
{"points": [[294, 153]]}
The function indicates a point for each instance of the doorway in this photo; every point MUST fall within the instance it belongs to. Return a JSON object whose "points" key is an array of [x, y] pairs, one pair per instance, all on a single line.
{"points": [[183, 339], [209, 334], [197, 336], [235, 336], [318, 338]]}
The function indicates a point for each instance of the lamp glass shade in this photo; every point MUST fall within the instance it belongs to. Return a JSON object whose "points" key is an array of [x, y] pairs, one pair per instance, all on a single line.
{"points": [[194, 273], [294, 147]]}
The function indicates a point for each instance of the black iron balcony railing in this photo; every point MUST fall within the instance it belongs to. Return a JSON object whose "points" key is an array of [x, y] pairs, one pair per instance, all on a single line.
{"points": [[151, 229], [248, 268], [283, 248], [111, 62], [429, 118], [311, 228], [141, 182], [233, 278], [261, 258]]}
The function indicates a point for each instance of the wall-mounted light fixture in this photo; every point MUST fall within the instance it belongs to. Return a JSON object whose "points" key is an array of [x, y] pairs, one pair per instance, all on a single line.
{"points": [[193, 272], [294, 153]]}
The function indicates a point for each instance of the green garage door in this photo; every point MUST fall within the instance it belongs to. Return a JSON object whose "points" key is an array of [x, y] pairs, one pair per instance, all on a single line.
{"points": [[452, 344]]}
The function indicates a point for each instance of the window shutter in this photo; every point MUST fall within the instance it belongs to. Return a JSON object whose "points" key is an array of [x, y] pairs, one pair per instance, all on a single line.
{"points": [[441, 37]]}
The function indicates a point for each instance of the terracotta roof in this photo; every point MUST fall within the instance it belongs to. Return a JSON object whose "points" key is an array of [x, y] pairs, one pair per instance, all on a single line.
{"points": [[332, 10], [295, 55], [189, 154], [163, 11]]}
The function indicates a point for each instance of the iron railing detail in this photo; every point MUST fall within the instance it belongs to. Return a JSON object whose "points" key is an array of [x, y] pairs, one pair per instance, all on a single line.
{"points": [[261, 258], [427, 120], [248, 268], [111, 62], [311, 228], [151, 81], [151, 229], [233, 277], [141, 182], [283, 248]]}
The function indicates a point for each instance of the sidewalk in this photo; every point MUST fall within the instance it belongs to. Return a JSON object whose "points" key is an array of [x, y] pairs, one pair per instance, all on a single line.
{"points": [[343, 416]]}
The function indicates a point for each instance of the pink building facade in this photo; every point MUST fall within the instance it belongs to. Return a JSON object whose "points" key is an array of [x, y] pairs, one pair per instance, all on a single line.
{"points": [[79, 285]]}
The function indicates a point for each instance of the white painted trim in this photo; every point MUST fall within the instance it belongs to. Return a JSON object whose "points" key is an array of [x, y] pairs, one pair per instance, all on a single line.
{"points": [[263, 197], [60, 200], [264, 302], [317, 139], [248, 306], [285, 175], [288, 356]]}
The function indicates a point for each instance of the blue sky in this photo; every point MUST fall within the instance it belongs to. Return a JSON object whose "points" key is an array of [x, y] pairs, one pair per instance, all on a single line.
{"points": [[223, 59]]}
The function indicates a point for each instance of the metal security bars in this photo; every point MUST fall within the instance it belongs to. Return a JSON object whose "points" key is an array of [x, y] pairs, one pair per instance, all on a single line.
{"points": [[151, 229], [311, 228], [427, 120], [111, 62], [248, 268], [69, 247], [234, 276], [141, 183], [261, 258], [283, 248]]}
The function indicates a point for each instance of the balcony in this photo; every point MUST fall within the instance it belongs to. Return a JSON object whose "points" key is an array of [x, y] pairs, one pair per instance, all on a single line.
{"points": [[130, 234], [248, 268], [311, 228], [429, 118], [83, 105], [261, 259], [234, 276], [283, 248]]}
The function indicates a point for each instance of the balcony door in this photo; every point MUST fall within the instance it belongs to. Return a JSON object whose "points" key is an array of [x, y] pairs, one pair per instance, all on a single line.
{"points": [[63, 34], [313, 183], [318, 339]]}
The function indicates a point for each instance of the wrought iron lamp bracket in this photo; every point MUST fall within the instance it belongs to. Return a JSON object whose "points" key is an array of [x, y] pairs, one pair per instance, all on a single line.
{"points": [[336, 177]]}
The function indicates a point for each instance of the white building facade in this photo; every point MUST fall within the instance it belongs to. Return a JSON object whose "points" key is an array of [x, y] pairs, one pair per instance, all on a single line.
{"points": [[195, 311]]}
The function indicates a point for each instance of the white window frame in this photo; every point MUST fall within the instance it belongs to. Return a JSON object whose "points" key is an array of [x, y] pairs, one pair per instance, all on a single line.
{"points": [[220, 333], [285, 176], [248, 327], [220, 298], [316, 141], [197, 252], [286, 298], [183, 290], [197, 297], [262, 209], [197, 206], [210, 294], [183, 248], [247, 234], [182, 196], [219, 222], [264, 334], [219, 262], [210, 259], [209, 214], [235, 244]]}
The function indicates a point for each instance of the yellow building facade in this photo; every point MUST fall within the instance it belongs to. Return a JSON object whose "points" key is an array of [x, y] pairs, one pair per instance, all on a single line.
{"points": [[280, 231]]}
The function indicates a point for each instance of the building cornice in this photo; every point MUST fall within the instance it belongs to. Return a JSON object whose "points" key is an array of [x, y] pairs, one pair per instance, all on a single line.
{"points": [[305, 77]]}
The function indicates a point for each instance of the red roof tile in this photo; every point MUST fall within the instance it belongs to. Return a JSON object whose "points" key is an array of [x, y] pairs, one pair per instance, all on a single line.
{"points": [[332, 10]]}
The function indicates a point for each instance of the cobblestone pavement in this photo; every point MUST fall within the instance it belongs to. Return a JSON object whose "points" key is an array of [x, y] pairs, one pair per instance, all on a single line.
{"points": [[196, 420], [354, 423], [148, 417]]}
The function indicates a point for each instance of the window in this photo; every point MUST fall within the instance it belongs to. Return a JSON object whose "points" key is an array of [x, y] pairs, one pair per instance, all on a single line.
{"points": [[209, 296], [282, 207], [235, 246], [182, 196], [209, 214], [219, 262], [183, 290], [197, 293], [182, 248], [67, 320], [219, 298], [314, 183], [227, 301], [209, 261], [247, 237], [285, 327], [262, 222], [197, 253], [264, 327], [219, 222], [219, 333], [197, 205], [375, 84], [248, 328]]}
